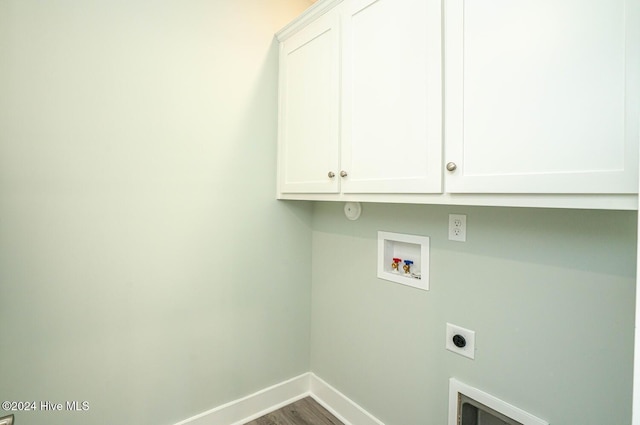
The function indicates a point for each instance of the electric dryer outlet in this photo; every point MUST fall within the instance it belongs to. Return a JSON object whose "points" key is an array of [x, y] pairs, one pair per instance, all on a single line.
{"points": [[461, 341]]}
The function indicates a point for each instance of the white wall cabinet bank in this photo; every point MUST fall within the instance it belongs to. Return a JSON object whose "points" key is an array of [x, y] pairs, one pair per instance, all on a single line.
{"points": [[541, 102]]}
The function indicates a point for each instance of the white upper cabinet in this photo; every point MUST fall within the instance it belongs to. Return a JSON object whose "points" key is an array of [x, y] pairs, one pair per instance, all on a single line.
{"points": [[309, 103], [391, 96], [532, 103], [542, 96]]}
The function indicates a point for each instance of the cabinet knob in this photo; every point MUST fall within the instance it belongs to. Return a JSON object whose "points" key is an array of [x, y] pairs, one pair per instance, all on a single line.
{"points": [[451, 166], [343, 173], [331, 174]]}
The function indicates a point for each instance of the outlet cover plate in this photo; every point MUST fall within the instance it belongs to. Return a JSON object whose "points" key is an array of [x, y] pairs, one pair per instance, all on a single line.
{"points": [[469, 350], [458, 227]]}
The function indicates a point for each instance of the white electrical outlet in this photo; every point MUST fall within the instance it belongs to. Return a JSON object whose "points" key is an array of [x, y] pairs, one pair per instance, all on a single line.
{"points": [[458, 227], [461, 341]]}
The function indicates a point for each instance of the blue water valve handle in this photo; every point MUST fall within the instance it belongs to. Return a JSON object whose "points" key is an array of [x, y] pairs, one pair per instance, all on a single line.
{"points": [[407, 266]]}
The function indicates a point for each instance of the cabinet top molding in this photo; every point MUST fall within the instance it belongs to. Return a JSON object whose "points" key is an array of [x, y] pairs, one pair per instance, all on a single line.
{"points": [[317, 9]]}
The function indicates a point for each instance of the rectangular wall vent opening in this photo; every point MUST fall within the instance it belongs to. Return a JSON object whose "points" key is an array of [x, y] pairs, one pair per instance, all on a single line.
{"points": [[471, 412], [470, 406]]}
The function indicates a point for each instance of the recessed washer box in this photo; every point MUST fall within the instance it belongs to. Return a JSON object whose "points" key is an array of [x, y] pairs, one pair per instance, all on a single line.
{"points": [[411, 248]]}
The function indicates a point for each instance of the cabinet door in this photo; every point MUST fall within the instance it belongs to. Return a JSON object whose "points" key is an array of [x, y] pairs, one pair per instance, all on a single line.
{"points": [[542, 95], [392, 96], [309, 109]]}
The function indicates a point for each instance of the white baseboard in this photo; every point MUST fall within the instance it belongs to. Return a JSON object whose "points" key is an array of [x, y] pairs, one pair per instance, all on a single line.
{"points": [[340, 405], [246, 409], [253, 406]]}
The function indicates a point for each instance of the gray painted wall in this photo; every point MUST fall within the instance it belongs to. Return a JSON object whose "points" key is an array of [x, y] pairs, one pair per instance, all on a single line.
{"points": [[550, 294], [145, 265]]}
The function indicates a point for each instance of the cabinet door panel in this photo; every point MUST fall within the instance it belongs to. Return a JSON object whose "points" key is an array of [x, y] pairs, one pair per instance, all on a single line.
{"points": [[309, 109], [542, 96], [391, 137]]}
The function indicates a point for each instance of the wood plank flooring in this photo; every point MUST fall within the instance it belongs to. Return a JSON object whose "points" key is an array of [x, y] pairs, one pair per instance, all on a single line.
{"points": [[303, 412]]}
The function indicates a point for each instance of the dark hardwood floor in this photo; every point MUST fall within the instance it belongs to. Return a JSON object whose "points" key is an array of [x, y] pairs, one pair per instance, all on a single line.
{"points": [[303, 412]]}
